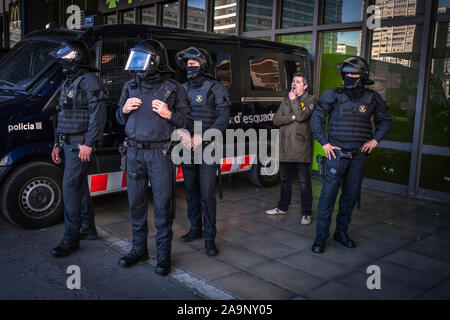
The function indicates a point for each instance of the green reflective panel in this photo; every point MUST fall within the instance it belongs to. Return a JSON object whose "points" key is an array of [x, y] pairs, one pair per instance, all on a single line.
{"points": [[388, 165], [339, 11], [336, 46], [301, 39], [258, 15], [437, 120], [394, 67], [435, 173], [297, 13]]}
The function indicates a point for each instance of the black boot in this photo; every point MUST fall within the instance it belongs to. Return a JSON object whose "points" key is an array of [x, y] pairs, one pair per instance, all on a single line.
{"points": [[211, 249], [64, 249], [133, 257], [88, 232], [319, 245], [163, 265], [342, 238], [192, 235]]}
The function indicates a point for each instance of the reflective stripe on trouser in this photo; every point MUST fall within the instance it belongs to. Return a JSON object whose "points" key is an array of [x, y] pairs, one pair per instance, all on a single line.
{"points": [[144, 165], [78, 206], [349, 174], [200, 186]]}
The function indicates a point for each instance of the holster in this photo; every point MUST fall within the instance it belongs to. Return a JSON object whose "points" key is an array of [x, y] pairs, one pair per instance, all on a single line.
{"points": [[123, 156], [321, 161]]}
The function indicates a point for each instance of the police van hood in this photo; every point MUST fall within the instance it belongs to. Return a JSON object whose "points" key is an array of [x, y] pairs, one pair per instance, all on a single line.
{"points": [[11, 99]]}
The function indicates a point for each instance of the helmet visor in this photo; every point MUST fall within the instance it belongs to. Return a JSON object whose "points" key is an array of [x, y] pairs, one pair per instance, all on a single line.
{"points": [[65, 52], [140, 61]]}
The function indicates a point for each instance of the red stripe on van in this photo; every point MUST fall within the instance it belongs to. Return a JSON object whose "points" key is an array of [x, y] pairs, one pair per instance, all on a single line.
{"points": [[124, 180], [227, 164], [99, 182]]}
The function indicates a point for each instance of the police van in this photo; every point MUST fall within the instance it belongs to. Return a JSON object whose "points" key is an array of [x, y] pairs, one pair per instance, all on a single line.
{"points": [[257, 74]]}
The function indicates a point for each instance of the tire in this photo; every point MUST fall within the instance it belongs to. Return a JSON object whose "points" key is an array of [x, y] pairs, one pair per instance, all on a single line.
{"points": [[31, 196], [263, 181]]}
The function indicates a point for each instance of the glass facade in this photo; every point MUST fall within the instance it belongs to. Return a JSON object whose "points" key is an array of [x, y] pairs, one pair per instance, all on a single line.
{"points": [[111, 19], [196, 15], [297, 13], [171, 14], [225, 12], [394, 66], [443, 6], [391, 9], [301, 39], [148, 15], [340, 11], [258, 15], [437, 119], [128, 17]]}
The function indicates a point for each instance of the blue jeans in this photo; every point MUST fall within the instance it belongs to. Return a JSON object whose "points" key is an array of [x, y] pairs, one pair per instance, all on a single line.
{"points": [[200, 185], [144, 165], [348, 173], [289, 170], [78, 208]]}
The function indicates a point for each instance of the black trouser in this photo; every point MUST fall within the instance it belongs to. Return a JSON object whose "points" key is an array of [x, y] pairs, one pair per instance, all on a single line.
{"points": [[78, 208], [200, 185], [340, 171], [288, 170], [144, 165]]}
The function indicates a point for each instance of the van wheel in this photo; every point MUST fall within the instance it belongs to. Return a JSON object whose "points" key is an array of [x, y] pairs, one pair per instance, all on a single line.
{"points": [[264, 180], [31, 196]]}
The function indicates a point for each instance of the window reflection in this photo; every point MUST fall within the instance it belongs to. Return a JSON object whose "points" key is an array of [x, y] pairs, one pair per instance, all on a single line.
{"points": [[225, 16], [196, 15], [339, 11], [170, 14], [128, 17], [264, 74], [297, 13], [148, 15], [258, 15], [400, 8], [394, 67], [437, 121]]}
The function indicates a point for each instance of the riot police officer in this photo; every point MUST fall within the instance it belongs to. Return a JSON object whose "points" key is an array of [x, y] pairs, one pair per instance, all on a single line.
{"points": [[210, 104], [151, 107], [349, 141], [81, 119]]}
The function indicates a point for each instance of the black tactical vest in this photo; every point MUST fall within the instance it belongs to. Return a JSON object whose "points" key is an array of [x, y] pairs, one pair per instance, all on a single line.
{"points": [[350, 120], [73, 109], [144, 124], [202, 109]]}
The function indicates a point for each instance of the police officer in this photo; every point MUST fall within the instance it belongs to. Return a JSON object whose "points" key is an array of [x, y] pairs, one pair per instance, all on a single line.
{"points": [[210, 103], [349, 141], [151, 106], [80, 123]]}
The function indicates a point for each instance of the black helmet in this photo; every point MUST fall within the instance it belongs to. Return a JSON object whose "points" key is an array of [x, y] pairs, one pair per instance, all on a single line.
{"points": [[149, 55], [73, 53], [207, 67], [356, 65]]}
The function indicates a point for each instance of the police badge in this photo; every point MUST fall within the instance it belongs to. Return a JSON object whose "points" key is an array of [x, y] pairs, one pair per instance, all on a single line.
{"points": [[199, 98], [362, 109]]}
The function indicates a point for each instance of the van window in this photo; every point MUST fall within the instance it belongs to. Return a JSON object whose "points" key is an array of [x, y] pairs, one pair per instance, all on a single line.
{"points": [[223, 63], [114, 57], [26, 63], [265, 74], [292, 67]]}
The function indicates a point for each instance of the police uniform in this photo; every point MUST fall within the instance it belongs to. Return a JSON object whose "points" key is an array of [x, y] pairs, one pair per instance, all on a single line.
{"points": [[349, 126], [210, 104], [149, 160], [81, 119]]}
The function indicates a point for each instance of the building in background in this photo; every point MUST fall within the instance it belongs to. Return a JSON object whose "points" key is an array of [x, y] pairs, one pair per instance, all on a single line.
{"points": [[408, 55]]}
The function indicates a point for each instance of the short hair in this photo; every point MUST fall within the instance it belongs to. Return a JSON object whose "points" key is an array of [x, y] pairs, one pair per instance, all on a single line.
{"points": [[301, 75]]}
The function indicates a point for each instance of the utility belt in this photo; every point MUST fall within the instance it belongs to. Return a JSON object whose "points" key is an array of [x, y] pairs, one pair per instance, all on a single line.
{"points": [[340, 154], [348, 154], [65, 138], [144, 145]]}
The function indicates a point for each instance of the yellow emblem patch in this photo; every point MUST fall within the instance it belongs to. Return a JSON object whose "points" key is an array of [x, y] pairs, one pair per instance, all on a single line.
{"points": [[362, 109], [199, 98], [303, 105]]}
